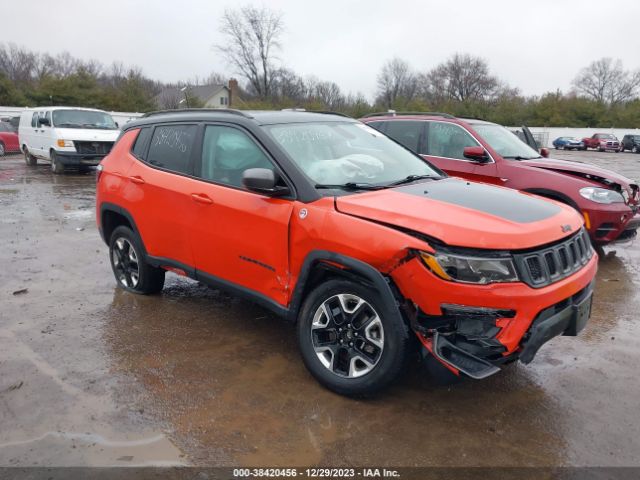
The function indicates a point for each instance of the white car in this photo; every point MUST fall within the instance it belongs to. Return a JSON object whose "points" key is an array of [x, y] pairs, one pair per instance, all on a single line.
{"points": [[66, 136]]}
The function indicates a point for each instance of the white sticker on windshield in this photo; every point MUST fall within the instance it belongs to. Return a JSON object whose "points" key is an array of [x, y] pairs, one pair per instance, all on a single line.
{"points": [[370, 130]]}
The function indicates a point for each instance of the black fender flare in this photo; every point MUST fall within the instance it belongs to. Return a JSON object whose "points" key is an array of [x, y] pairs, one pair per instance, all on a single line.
{"points": [[112, 207], [358, 267]]}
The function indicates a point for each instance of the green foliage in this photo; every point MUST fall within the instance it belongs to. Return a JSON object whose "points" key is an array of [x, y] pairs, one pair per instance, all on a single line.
{"points": [[9, 95]]}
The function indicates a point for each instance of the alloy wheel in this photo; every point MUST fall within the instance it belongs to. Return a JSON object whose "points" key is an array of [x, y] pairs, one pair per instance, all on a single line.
{"points": [[347, 335], [125, 262]]}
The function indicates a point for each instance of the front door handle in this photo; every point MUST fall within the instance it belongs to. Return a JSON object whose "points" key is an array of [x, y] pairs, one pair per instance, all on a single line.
{"points": [[201, 198], [137, 179]]}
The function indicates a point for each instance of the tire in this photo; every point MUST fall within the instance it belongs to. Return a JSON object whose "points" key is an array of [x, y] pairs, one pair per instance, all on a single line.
{"points": [[635, 149], [364, 346], [129, 266], [56, 166], [29, 159], [2, 149]]}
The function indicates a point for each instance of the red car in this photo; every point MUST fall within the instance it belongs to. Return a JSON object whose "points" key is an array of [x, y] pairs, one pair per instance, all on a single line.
{"points": [[364, 245], [489, 153], [8, 139], [602, 142]]}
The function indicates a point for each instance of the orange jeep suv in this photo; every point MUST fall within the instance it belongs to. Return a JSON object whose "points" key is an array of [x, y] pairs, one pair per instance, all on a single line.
{"points": [[366, 246]]}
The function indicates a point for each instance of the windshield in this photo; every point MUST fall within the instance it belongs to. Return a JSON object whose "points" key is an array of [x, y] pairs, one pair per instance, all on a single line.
{"points": [[332, 153], [504, 142], [83, 119]]}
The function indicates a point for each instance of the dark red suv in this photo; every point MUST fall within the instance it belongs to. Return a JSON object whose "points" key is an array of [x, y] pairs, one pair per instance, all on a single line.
{"points": [[489, 153]]}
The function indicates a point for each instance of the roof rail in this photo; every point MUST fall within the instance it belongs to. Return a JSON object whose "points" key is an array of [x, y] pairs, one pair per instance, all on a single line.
{"points": [[393, 113], [191, 110], [324, 112]]}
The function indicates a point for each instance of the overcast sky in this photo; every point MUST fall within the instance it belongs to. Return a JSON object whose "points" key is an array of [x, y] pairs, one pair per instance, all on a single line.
{"points": [[537, 45]]}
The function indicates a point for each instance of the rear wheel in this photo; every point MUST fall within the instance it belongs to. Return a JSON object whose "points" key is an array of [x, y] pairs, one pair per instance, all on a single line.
{"points": [[129, 266], [635, 149], [56, 166], [28, 158], [349, 340]]}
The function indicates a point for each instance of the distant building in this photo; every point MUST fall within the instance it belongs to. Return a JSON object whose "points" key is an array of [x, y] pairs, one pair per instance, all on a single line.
{"points": [[209, 96]]}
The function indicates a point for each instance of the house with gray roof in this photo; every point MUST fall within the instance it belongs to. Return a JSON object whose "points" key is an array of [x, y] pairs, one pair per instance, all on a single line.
{"points": [[209, 96]]}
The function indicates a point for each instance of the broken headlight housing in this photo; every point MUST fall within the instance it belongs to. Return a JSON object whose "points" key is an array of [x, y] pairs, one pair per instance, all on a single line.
{"points": [[470, 269], [601, 195]]}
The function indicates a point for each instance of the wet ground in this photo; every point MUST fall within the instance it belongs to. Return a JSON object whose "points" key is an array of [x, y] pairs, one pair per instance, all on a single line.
{"points": [[90, 375]]}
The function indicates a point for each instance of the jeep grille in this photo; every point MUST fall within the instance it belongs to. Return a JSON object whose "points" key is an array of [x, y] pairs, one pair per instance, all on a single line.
{"points": [[547, 265]]}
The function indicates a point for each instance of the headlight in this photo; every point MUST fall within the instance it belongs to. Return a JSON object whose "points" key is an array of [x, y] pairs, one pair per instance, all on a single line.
{"points": [[65, 143], [601, 195], [459, 268]]}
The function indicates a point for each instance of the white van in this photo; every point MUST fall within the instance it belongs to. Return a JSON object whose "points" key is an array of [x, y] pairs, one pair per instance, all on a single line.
{"points": [[66, 136]]}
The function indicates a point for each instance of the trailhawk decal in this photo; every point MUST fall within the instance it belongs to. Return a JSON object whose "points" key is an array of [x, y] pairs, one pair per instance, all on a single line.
{"points": [[500, 202]]}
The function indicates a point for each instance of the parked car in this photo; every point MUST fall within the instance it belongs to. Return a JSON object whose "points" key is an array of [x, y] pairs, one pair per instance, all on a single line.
{"points": [[489, 153], [8, 139], [568, 143], [362, 243], [68, 137], [602, 142], [631, 143]]}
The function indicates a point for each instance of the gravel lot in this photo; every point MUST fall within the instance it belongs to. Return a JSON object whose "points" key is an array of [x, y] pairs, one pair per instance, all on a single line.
{"points": [[90, 375]]}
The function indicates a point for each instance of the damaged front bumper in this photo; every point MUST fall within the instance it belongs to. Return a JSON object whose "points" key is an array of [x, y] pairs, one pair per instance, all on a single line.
{"points": [[464, 339]]}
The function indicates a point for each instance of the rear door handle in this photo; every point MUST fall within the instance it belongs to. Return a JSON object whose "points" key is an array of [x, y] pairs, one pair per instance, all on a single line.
{"points": [[201, 198], [137, 179]]}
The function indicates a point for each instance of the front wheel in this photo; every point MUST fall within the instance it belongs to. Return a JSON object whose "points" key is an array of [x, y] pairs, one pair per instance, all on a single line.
{"points": [[28, 158], [635, 149], [129, 266], [57, 167], [350, 341]]}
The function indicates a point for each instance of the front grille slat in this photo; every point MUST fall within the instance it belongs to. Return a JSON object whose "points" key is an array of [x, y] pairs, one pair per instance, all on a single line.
{"points": [[552, 263], [93, 148]]}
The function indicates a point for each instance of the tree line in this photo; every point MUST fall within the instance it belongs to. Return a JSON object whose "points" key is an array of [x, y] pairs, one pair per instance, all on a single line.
{"points": [[604, 94]]}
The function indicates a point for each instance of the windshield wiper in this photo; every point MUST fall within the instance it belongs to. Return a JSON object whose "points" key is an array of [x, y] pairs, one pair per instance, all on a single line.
{"points": [[409, 179], [68, 124], [350, 186]]}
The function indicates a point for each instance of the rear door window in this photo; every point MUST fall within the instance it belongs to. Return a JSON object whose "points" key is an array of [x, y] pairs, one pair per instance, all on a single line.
{"points": [[171, 147], [34, 119], [380, 126], [406, 133]]}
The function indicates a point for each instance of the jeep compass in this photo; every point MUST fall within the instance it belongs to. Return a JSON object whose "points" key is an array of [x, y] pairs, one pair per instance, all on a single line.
{"points": [[366, 246]]}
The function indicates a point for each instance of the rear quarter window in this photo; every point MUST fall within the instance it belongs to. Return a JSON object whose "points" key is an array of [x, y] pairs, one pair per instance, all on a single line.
{"points": [[140, 145], [171, 147]]}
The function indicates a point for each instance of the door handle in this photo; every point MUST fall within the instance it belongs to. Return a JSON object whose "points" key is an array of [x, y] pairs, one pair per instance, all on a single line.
{"points": [[201, 198], [137, 179]]}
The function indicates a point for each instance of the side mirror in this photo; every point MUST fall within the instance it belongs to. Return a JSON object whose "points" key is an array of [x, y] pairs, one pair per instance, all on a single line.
{"points": [[263, 180], [479, 154], [44, 121], [544, 152]]}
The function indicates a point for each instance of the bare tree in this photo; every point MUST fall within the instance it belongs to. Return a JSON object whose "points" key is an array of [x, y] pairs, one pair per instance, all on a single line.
{"points": [[395, 81], [289, 85], [463, 77], [252, 36], [17, 63], [329, 94], [606, 81]]}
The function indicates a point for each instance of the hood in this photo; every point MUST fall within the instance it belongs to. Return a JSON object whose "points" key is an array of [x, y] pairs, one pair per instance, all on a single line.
{"points": [[466, 214], [88, 134], [590, 172]]}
